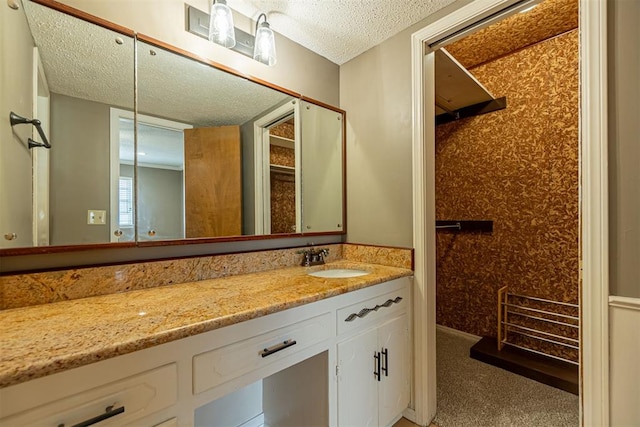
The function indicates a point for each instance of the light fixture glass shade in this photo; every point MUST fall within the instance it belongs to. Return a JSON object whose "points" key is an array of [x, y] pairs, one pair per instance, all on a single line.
{"points": [[221, 29], [264, 49]]}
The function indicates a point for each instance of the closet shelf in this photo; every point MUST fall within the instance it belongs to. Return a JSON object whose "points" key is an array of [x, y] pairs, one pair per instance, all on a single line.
{"points": [[281, 141], [289, 170], [458, 93]]}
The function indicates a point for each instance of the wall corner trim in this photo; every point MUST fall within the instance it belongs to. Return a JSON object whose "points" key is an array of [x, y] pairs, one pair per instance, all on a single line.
{"points": [[594, 357]]}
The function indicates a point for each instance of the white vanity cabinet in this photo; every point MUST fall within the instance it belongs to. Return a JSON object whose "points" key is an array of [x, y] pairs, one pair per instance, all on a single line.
{"points": [[308, 365], [373, 363]]}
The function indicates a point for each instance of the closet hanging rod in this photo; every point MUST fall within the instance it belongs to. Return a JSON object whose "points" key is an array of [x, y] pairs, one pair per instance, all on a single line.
{"points": [[457, 226], [19, 120], [462, 226]]}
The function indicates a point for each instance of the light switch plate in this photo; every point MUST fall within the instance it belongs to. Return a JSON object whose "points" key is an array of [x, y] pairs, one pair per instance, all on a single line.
{"points": [[95, 217]]}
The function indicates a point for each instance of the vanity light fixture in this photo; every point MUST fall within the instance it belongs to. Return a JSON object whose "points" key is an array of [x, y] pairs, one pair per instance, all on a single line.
{"points": [[264, 49], [221, 29], [218, 28]]}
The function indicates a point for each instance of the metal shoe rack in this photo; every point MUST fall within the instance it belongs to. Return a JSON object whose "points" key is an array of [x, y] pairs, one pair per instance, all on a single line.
{"points": [[543, 313]]}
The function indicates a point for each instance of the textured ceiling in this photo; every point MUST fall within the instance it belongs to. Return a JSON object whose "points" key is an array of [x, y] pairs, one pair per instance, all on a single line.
{"points": [[80, 59], [339, 30], [178, 88]]}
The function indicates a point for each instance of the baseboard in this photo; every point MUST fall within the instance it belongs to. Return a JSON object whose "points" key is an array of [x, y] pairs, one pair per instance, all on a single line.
{"points": [[462, 334], [410, 414]]}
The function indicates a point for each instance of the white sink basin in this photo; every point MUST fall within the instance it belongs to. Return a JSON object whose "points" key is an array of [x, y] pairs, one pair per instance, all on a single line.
{"points": [[339, 273]]}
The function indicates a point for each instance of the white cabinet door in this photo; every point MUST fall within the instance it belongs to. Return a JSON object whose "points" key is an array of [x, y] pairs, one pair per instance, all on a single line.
{"points": [[364, 399], [393, 340], [357, 385]]}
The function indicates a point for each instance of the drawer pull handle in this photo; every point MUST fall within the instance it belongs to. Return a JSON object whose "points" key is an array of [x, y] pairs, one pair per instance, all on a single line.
{"points": [[108, 413], [276, 348], [365, 311]]}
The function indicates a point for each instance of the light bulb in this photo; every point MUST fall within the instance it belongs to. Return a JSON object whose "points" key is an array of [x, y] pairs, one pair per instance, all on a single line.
{"points": [[221, 29], [265, 45]]}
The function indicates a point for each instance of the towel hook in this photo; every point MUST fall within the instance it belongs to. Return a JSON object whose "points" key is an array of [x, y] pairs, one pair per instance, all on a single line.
{"points": [[19, 120]]}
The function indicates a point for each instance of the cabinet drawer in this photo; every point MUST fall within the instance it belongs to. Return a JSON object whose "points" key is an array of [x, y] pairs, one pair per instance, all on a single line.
{"points": [[116, 403], [218, 366], [371, 311]]}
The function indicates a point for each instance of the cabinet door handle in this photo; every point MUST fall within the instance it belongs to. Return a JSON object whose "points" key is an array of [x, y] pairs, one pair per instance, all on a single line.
{"points": [[376, 365], [385, 369], [278, 347], [365, 311], [108, 413]]}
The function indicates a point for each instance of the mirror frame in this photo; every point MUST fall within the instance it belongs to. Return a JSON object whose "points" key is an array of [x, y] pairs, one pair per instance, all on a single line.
{"points": [[40, 250]]}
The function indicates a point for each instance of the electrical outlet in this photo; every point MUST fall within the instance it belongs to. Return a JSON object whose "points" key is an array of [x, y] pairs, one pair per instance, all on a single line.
{"points": [[95, 217]]}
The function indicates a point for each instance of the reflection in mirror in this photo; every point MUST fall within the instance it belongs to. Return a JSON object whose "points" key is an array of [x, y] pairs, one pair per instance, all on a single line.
{"points": [[283, 215], [301, 172], [213, 154], [210, 113], [69, 74]]}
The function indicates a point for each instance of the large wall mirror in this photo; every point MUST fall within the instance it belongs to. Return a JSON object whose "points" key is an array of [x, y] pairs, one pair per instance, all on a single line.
{"points": [[205, 154]]}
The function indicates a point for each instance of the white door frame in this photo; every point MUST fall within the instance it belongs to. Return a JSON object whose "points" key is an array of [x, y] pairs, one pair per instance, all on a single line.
{"points": [[40, 157], [594, 386], [262, 167], [114, 168]]}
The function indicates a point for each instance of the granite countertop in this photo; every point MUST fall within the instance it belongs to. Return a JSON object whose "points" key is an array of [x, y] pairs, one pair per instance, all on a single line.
{"points": [[50, 338]]}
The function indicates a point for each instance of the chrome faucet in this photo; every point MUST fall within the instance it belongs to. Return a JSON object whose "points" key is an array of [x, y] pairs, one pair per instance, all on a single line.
{"points": [[313, 257]]}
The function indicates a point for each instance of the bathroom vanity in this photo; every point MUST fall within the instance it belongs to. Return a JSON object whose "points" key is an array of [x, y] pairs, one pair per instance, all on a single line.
{"points": [[164, 343], [279, 347]]}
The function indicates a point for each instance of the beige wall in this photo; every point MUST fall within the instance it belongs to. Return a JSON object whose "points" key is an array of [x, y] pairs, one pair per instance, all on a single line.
{"points": [[375, 90], [624, 149], [297, 69], [79, 169], [16, 94], [624, 211], [624, 375]]}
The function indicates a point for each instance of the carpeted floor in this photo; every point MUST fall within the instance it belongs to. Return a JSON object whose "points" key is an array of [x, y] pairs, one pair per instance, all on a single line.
{"points": [[472, 393]]}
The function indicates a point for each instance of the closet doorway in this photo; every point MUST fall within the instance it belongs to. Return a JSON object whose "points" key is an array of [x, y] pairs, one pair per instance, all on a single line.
{"points": [[426, 193], [507, 221]]}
